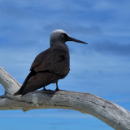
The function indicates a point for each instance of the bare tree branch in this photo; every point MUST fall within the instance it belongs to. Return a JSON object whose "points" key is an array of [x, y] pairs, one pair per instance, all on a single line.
{"points": [[110, 113]]}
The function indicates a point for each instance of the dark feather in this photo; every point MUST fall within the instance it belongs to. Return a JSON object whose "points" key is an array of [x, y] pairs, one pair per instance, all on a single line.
{"points": [[30, 75], [48, 67]]}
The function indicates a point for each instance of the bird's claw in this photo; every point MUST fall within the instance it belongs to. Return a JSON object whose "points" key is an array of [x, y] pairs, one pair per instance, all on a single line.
{"points": [[57, 89], [44, 89]]}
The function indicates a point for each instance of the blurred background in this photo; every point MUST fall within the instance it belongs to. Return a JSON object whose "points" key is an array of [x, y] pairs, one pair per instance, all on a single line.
{"points": [[102, 67]]}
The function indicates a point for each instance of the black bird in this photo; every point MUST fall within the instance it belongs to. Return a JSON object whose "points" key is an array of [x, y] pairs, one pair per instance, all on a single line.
{"points": [[50, 65]]}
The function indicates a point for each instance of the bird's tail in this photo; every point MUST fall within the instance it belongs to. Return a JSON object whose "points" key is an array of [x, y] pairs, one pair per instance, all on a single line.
{"points": [[19, 92]]}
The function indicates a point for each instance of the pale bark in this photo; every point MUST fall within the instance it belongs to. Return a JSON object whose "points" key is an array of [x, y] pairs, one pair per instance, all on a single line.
{"points": [[109, 112]]}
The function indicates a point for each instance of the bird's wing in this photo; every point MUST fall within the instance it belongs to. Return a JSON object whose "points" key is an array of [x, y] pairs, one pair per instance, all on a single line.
{"points": [[53, 60], [49, 60]]}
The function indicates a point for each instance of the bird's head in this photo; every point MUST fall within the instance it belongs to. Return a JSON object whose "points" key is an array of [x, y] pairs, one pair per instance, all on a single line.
{"points": [[60, 36]]}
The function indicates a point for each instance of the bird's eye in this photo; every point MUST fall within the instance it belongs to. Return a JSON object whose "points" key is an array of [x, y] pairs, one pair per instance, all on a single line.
{"points": [[63, 35]]}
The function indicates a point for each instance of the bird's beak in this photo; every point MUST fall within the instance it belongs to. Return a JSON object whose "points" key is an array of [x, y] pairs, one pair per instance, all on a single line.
{"points": [[75, 40]]}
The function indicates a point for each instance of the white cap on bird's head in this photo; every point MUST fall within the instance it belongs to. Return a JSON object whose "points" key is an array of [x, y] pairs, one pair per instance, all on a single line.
{"points": [[59, 36]]}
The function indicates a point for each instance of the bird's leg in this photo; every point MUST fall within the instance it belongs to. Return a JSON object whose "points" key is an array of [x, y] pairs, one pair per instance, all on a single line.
{"points": [[44, 89], [57, 86]]}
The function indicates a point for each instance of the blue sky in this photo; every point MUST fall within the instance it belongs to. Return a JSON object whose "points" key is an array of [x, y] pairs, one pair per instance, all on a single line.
{"points": [[102, 67]]}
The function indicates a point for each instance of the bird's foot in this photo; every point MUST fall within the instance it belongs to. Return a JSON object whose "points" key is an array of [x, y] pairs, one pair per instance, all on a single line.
{"points": [[44, 89], [57, 89]]}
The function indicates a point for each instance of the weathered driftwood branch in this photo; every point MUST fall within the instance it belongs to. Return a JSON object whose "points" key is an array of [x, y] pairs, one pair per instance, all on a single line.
{"points": [[110, 113]]}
